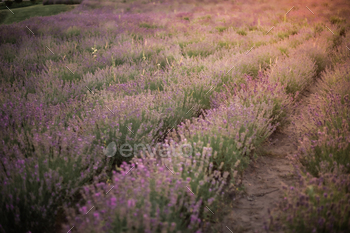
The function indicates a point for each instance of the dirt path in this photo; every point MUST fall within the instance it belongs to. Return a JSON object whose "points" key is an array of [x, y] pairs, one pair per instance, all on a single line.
{"points": [[263, 181]]}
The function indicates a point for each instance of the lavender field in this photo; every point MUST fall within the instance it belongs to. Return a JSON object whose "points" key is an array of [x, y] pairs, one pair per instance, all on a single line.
{"points": [[149, 115]]}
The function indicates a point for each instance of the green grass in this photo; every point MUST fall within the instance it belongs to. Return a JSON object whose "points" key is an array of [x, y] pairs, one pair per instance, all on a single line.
{"points": [[337, 20], [242, 32], [147, 25], [24, 13], [221, 28]]}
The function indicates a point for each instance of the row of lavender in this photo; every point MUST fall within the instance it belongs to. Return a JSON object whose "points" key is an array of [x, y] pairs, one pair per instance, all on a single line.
{"points": [[54, 129], [320, 201], [232, 128], [242, 117]]}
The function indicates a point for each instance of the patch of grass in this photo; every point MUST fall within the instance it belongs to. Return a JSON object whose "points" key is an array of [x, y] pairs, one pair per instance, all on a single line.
{"points": [[283, 50], [136, 37], [3, 15], [144, 55], [204, 17], [196, 53], [24, 13], [195, 69], [68, 76], [165, 60], [184, 43], [200, 95], [147, 25], [221, 28], [124, 78], [318, 28], [337, 40], [225, 44], [314, 205], [73, 32], [119, 61], [259, 43], [242, 32], [283, 35], [337, 20], [186, 18], [342, 31], [253, 28], [294, 43], [156, 85]]}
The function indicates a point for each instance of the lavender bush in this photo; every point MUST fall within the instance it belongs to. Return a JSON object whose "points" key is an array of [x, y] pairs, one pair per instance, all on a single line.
{"points": [[261, 90], [327, 133], [234, 131], [288, 71], [315, 205], [150, 196], [320, 200]]}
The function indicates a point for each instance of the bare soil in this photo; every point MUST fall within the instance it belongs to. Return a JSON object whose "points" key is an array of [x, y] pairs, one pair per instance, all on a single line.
{"points": [[262, 182]]}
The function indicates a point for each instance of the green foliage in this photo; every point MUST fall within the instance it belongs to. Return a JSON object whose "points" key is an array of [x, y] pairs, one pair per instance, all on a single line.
{"points": [[328, 144], [147, 25], [196, 53], [193, 70], [221, 28], [294, 43], [283, 35], [337, 20], [253, 28], [69, 76], [184, 44], [318, 28], [119, 61], [72, 32], [315, 205], [259, 43], [156, 85], [284, 50], [226, 44], [242, 32], [137, 37], [165, 61], [206, 17], [24, 13], [36, 191]]}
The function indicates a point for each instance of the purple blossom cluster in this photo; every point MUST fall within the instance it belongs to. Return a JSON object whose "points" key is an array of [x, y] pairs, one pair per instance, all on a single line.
{"points": [[241, 119], [255, 91], [315, 205], [319, 202], [327, 137], [288, 71], [149, 195]]}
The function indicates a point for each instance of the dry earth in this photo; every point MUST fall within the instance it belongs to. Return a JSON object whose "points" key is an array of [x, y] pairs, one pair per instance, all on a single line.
{"points": [[263, 181]]}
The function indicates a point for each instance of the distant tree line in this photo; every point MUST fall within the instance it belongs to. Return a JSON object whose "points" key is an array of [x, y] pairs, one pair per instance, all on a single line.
{"points": [[45, 2]]}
